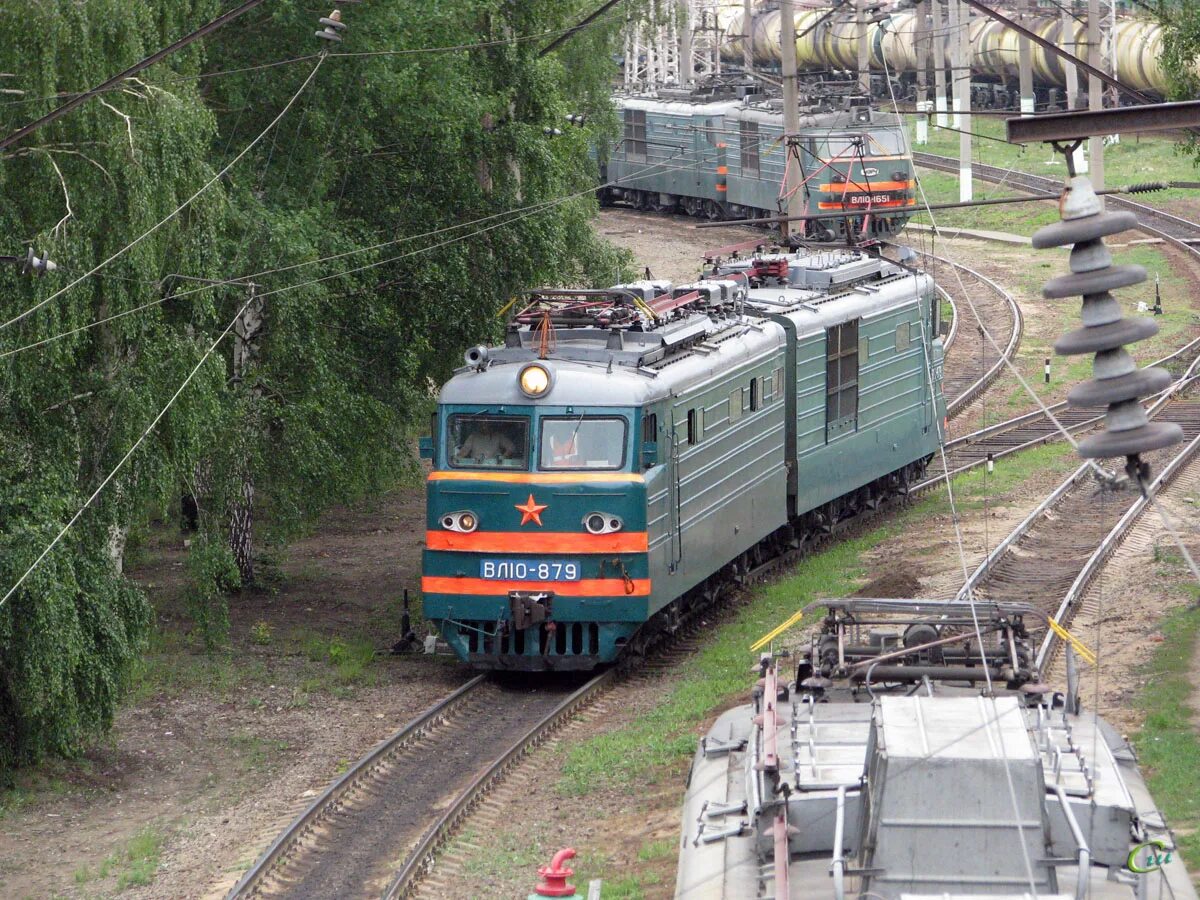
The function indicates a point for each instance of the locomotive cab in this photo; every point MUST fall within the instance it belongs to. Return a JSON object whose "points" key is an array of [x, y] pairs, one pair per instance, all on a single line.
{"points": [[536, 541]]}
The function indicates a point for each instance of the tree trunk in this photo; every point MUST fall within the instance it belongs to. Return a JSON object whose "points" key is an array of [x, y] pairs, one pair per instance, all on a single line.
{"points": [[246, 333], [241, 530]]}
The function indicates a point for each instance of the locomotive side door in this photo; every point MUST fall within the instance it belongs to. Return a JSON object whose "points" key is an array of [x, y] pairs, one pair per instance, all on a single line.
{"points": [[673, 497]]}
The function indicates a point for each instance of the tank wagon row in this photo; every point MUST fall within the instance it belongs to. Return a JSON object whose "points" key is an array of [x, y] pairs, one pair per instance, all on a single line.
{"points": [[833, 44], [726, 158], [626, 450]]}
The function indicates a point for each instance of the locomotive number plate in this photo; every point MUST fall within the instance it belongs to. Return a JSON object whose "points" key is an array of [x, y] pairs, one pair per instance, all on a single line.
{"points": [[528, 570]]}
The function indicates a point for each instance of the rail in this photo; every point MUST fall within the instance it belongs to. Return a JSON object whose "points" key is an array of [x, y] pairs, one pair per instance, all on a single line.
{"points": [[1024, 181], [405, 880], [1074, 595], [274, 854], [960, 444], [1071, 481], [977, 387]]}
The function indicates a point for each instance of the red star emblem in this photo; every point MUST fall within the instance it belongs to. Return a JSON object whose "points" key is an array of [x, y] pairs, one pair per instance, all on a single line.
{"points": [[531, 510]]}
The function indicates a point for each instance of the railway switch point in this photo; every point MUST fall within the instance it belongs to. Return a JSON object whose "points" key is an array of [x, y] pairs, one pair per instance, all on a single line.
{"points": [[554, 877]]}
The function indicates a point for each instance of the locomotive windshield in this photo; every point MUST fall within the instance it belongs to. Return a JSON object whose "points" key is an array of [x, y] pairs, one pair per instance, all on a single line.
{"points": [[583, 442], [877, 142], [489, 442], [886, 142]]}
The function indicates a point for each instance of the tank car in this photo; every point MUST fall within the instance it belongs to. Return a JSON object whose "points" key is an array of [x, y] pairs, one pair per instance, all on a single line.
{"points": [[917, 754], [828, 42], [726, 158], [627, 450]]}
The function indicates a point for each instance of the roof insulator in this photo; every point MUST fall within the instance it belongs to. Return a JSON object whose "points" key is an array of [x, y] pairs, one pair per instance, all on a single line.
{"points": [[35, 265], [1118, 382], [333, 27]]}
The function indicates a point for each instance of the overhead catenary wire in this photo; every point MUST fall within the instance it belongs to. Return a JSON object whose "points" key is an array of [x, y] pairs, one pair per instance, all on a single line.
{"points": [[243, 279], [128, 454], [212, 348], [123, 76], [1028, 863], [217, 177]]}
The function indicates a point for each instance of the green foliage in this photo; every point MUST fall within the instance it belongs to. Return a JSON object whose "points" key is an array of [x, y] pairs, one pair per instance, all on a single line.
{"points": [[213, 575], [134, 865], [398, 149], [1167, 743], [261, 634]]}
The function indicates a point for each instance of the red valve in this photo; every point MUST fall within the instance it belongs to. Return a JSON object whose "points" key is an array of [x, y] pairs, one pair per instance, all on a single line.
{"points": [[554, 876]]}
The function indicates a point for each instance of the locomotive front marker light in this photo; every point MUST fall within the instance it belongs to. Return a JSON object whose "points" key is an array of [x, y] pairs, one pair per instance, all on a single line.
{"points": [[602, 523], [462, 522], [535, 380]]}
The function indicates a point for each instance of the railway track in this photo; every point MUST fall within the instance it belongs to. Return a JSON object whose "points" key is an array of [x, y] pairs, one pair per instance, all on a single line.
{"points": [[1032, 428], [975, 363], [1173, 229], [373, 831], [1045, 563]]}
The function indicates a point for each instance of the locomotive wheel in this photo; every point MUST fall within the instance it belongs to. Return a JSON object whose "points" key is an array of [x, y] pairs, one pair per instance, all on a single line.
{"points": [[712, 210]]}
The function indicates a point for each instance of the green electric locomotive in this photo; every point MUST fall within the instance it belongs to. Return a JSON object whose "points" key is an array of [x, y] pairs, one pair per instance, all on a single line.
{"points": [[721, 156], [626, 450]]}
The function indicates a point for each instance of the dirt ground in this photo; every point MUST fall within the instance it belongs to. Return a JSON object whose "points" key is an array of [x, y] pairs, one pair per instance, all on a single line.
{"points": [[215, 756]]}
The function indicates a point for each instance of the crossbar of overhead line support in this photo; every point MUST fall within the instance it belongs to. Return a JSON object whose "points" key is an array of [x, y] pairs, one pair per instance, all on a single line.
{"points": [[1080, 124]]}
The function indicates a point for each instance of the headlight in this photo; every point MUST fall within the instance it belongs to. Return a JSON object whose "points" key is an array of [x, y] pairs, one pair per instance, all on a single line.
{"points": [[464, 522], [602, 523], [534, 380]]}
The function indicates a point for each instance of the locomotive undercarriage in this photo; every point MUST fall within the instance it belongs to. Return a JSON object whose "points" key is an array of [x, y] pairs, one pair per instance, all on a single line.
{"points": [[700, 208]]}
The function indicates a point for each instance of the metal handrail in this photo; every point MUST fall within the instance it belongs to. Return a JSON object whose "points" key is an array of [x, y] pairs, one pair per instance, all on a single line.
{"points": [[1083, 877], [837, 866]]}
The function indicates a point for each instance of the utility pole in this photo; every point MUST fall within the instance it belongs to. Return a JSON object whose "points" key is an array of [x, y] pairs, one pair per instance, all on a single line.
{"points": [[748, 35], [864, 57], [939, 62], [921, 45], [1070, 27], [687, 71], [1095, 93], [962, 78], [1025, 64], [956, 63], [791, 100]]}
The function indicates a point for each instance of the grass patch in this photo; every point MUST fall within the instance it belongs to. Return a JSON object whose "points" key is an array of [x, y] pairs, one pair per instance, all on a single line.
{"points": [[254, 751], [1168, 744], [134, 865], [510, 851], [171, 667], [340, 664], [667, 734]]}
